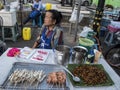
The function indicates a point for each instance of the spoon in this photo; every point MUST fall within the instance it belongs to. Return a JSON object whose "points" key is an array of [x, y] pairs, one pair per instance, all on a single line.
{"points": [[75, 78]]}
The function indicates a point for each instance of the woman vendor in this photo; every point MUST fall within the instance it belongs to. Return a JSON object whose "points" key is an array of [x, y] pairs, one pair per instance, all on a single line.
{"points": [[51, 33]]}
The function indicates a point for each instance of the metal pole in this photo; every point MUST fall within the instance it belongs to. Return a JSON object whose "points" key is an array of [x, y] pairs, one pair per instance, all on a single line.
{"points": [[73, 4], [98, 16], [77, 19], [4, 2], [21, 7]]}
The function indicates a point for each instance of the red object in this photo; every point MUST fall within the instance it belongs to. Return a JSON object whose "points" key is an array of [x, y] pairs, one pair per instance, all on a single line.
{"points": [[112, 28], [12, 52]]}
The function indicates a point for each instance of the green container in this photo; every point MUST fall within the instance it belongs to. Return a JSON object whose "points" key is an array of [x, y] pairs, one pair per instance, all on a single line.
{"points": [[85, 42]]}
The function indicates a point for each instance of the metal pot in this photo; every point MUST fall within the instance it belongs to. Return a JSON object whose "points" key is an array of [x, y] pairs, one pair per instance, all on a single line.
{"points": [[79, 54], [63, 54]]}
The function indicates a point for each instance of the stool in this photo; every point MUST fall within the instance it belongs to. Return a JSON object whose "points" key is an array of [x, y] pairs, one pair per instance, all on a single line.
{"points": [[109, 38], [103, 31], [39, 22], [13, 30], [110, 35]]}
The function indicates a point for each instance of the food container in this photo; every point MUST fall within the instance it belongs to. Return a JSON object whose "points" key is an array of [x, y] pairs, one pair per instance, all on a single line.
{"points": [[48, 6], [79, 54], [43, 85], [85, 42], [62, 54], [9, 17], [26, 33], [89, 72]]}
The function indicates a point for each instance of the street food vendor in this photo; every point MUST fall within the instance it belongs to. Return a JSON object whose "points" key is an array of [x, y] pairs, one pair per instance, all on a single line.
{"points": [[51, 33]]}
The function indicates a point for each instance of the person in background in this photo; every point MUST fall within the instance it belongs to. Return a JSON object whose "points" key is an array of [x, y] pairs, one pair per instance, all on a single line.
{"points": [[51, 33], [3, 47], [36, 11]]}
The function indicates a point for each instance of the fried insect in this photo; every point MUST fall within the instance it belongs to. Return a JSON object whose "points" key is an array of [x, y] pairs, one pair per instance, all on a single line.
{"points": [[91, 75]]}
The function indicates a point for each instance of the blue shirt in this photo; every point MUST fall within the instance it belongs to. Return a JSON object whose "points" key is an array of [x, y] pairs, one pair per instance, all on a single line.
{"points": [[37, 5]]}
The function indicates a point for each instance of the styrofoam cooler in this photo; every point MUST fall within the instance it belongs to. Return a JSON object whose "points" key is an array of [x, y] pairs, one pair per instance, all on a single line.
{"points": [[26, 33], [9, 17]]}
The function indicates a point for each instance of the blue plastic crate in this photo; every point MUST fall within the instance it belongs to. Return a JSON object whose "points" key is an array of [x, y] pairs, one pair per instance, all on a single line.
{"points": [[105, 22]]}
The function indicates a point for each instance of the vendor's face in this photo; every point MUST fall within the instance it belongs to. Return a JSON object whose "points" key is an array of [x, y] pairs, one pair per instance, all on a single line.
{"points": [[48, 21]]}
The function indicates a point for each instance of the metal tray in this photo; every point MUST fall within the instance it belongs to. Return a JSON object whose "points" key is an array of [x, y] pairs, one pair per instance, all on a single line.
{"points": [[47, 68]]}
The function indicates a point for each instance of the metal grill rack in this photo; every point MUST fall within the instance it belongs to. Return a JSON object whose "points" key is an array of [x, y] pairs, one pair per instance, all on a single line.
{"points": [[47, 68]]}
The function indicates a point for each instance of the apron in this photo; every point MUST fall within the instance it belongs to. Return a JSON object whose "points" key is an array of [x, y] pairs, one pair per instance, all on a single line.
{"points": [[45, 41]]}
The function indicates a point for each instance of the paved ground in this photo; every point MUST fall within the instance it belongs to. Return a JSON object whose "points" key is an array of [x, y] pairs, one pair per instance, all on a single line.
{"points": [[68, 38]]}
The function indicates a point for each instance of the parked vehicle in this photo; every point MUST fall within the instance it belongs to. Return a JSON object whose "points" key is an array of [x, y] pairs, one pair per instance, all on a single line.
{"points": [[112, 55], [84, 2]]}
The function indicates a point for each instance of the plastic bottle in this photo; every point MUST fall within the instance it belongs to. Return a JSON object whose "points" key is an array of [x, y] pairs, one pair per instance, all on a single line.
{"points": [[91, 56], [26, 33]]}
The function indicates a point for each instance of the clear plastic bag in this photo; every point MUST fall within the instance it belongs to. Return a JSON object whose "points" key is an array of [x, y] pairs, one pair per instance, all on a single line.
{"points": [[73, 17]]}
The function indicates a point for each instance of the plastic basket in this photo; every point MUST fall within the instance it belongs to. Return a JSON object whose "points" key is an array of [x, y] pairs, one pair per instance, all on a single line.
{"points": [[105, 22], [112, 28], [85, 42]]}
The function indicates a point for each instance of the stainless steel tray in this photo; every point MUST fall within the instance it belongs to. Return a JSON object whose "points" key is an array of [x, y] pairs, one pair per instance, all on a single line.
{"points": [[47, 68]]}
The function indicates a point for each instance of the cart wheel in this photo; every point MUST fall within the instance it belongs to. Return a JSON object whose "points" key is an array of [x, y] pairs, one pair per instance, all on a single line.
{"points": [[113, 56]]}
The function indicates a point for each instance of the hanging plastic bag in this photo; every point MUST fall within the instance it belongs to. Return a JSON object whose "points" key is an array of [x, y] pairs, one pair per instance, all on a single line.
{"points": [[85, 31], [74, 16]]}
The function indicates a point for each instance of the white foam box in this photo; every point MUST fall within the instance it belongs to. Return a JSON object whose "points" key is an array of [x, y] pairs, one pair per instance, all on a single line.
{"points": [[9, 17]]}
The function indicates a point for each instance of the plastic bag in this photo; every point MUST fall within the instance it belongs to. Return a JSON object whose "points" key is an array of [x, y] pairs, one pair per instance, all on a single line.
{"points": [[13, 51], [85, 31], [74, 16]]}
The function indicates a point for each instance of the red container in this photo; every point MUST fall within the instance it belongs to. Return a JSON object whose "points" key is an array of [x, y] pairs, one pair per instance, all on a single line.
{"points": [[112, 28]]}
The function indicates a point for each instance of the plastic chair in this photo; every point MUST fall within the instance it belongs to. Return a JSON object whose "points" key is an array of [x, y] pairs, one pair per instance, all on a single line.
{"points": [[104, 24], [39, 21], [14, 31], [103, 31], [110, 35]]}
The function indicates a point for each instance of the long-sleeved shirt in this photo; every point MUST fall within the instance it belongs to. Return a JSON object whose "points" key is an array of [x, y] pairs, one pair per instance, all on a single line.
{"points": [[37, 5]]}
